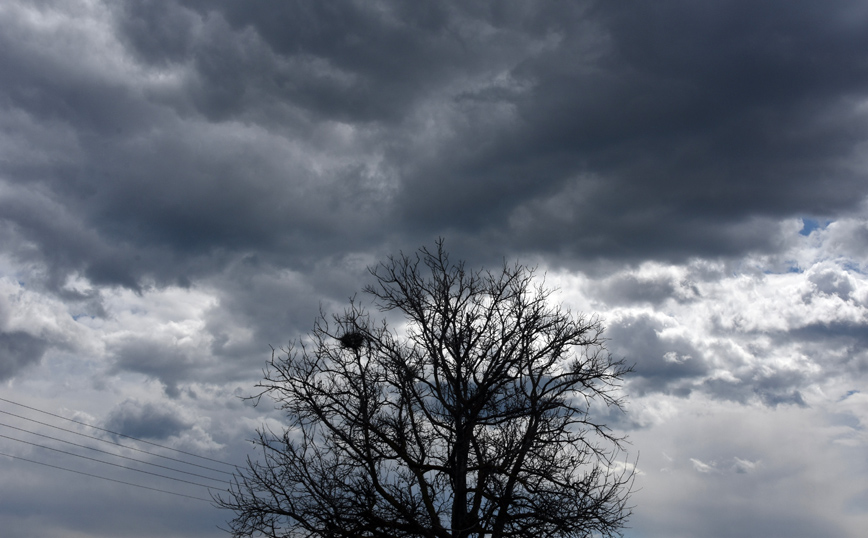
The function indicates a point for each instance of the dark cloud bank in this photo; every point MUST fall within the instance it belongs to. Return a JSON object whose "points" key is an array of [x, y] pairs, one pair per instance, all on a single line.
{"points": [[625, 131]]}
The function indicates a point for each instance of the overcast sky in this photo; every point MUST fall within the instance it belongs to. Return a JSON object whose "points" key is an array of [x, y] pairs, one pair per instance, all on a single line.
{"points": [[184, 183]]}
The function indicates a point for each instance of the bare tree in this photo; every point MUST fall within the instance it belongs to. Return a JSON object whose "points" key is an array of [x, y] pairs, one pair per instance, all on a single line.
{"points": [[474, 419]]}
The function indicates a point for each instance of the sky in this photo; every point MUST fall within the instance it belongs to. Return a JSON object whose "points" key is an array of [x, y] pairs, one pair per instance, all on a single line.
{"points": [[185, 184]]}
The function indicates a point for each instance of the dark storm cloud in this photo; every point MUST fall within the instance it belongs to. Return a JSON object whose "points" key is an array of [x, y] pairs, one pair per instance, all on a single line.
{"points": [[841, 347], [626, 131], [276, 306], [668, 365], [654, 290], [356, 62], [701, 119], [157, 32], [150, 421], [66, 245], [772, 389], [135, 193], [18, 350], [170, 364]]}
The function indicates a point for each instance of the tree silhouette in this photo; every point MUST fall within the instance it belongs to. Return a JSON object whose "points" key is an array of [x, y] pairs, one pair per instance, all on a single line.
{"points": [[474, 418]]}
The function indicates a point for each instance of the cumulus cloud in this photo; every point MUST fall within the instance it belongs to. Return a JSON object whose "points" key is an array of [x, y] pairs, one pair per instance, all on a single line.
{"points": [[766, 328], [18, 349], [30, 324], [148, 420], [663, 363]]}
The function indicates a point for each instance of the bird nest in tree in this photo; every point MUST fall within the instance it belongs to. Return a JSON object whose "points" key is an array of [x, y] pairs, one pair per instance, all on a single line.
{"points": [[352, 340]]}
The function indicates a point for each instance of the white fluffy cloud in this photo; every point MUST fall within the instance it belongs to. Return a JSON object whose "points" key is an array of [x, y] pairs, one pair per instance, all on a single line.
{"points": [[747, 399]]}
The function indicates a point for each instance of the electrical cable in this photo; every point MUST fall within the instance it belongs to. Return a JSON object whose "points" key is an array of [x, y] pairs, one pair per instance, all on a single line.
{"points": [[105, 462], [116, 433], [113, 442], [115, 455], [104, 478]]}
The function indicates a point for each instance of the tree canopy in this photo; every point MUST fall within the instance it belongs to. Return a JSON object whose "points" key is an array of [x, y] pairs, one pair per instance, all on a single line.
{"points": [[479, 415]]}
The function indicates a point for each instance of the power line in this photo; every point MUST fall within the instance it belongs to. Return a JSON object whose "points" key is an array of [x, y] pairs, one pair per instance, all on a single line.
{"points": [[105, 462], [112, 442], [116, 433], [113, 454], [104, 478]]}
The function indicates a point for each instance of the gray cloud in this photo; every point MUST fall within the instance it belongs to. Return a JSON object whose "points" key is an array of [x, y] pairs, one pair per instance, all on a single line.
{"points": [[772, 389], [149, 421], [840, 347], [633, 289], [18, 350], [668, 365], [169, 364], [579, 130], [832, 283]]}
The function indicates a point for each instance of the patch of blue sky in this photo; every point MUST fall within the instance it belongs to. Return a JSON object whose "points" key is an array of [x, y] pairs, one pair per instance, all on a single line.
{"points": [[854, 267], [809, 225], [792, 266]]}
